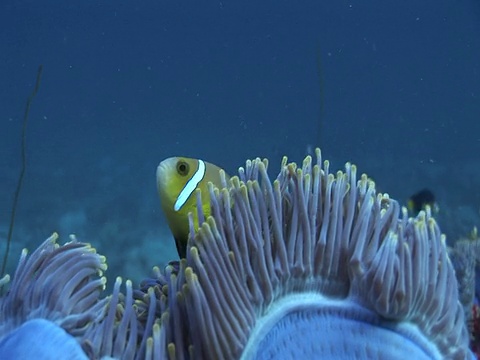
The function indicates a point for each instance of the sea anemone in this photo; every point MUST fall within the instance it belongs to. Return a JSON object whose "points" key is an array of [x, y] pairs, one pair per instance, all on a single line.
{"points": [[311, 265], [52, 300]]}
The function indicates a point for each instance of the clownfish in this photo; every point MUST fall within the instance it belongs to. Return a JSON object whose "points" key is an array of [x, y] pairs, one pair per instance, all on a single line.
{"points": [[420, 200], [177, 180]]}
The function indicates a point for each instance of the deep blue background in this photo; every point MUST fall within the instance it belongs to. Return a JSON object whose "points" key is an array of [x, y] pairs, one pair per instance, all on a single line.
{"points": [[393, 86]]}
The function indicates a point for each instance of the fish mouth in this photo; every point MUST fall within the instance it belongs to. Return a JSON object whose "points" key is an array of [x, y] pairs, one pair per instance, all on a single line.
{"points": [[163, 169]]}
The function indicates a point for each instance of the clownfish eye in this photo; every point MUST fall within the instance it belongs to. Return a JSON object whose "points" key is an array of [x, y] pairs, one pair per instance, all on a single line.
{"points": [[183, 168]]}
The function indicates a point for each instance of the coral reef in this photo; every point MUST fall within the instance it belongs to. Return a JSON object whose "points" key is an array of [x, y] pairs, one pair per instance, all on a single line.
{"points": [[465, 256]]}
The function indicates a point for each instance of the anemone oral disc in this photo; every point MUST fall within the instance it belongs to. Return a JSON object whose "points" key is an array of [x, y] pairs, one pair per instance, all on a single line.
{"points": [[305, 324]]}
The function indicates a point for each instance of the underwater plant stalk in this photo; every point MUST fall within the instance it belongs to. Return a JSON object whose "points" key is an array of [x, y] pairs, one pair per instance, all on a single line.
{"points": [[22, 170]]}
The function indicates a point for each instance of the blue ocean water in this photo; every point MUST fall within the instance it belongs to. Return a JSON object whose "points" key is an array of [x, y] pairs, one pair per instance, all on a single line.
{"points": [[393, 86]]}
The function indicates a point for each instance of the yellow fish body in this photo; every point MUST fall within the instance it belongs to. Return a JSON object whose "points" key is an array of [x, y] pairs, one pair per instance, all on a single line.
{"points": [[177, 180]]}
